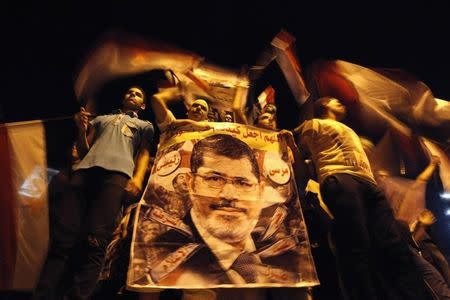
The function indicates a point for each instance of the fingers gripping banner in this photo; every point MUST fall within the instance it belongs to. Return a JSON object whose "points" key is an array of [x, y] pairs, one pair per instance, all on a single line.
{"points": [[221, 209]]}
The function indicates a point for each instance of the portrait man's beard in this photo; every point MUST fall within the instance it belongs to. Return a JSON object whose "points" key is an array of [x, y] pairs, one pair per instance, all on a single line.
{"points": [[229, 221]]}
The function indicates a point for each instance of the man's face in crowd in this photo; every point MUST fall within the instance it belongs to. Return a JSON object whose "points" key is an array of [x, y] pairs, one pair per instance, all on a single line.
{"points": [[267, 121], [228, 118], [270, 108], [226, 197], [133, 99], [198, 111], [339, 110]]}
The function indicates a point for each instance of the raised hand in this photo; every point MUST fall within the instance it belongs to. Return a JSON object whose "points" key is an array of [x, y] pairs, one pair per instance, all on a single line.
{"points": [[82, 119], [133, 187], [436, 160], [189, 125], [426, 217]]}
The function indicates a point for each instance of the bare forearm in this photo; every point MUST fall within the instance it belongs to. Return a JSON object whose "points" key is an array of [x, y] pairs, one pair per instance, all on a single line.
{"points": [[141, 165], [159, 102], [238, 107], [159, 108], [85, 132], [427, 173], [82, 144]]}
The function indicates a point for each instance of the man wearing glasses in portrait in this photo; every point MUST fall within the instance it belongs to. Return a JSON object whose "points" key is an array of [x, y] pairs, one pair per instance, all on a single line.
{"points": [[213, 243]]}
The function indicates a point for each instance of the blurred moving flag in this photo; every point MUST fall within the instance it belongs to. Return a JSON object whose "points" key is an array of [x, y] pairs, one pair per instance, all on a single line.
{"points": [[284, 50], [118, 54], [31, 153], [379, 98]]}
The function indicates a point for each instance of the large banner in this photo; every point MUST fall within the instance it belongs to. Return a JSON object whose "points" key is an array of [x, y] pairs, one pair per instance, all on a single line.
{"points": [[221, 209]]}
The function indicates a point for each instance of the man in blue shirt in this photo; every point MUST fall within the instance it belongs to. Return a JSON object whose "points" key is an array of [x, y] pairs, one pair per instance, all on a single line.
{"points": [[114, 153]]}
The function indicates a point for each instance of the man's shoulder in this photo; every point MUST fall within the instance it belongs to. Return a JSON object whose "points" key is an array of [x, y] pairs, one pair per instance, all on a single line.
{"points": [[102, 118], [335, 125], [310, 122], [145, 123], [330, 122], [309, 125], [105, 116], [142, 124], [327, 124]]}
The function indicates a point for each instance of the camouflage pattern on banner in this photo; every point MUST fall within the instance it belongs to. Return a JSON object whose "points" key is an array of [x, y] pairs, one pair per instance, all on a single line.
{"points": [[221, 209]]}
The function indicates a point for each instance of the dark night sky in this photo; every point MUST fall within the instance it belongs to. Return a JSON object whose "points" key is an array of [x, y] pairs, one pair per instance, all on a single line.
{"points": [[46, 42]]}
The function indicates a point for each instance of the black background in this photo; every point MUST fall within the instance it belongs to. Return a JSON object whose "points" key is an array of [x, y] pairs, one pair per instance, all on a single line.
{"points": [[45, 42]]}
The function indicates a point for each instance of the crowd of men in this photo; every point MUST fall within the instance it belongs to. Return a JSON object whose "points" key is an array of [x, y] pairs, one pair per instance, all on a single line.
{"points": [[222, 187]]}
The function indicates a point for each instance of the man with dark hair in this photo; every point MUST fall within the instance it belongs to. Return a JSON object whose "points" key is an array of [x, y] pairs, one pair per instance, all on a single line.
{"points": [[114, 153], [364, 223], [213, 243], [267, 121], [329, 107], [270, 108], [223, 145], [225, 193]]}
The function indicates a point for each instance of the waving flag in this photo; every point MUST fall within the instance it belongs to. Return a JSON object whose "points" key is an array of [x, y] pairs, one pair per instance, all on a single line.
{"points": [[284, 49], [31, 154], [378, 98], [118, 55]]}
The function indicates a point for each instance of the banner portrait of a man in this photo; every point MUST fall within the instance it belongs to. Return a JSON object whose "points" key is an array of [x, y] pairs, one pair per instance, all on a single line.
{"points": [[221, 209]]}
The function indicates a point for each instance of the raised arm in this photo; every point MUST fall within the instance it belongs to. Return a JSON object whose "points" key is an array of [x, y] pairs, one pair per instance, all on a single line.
{"points": [[425, 220], [429, 170], [86, 133], [237, 107], [159, 103]]}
